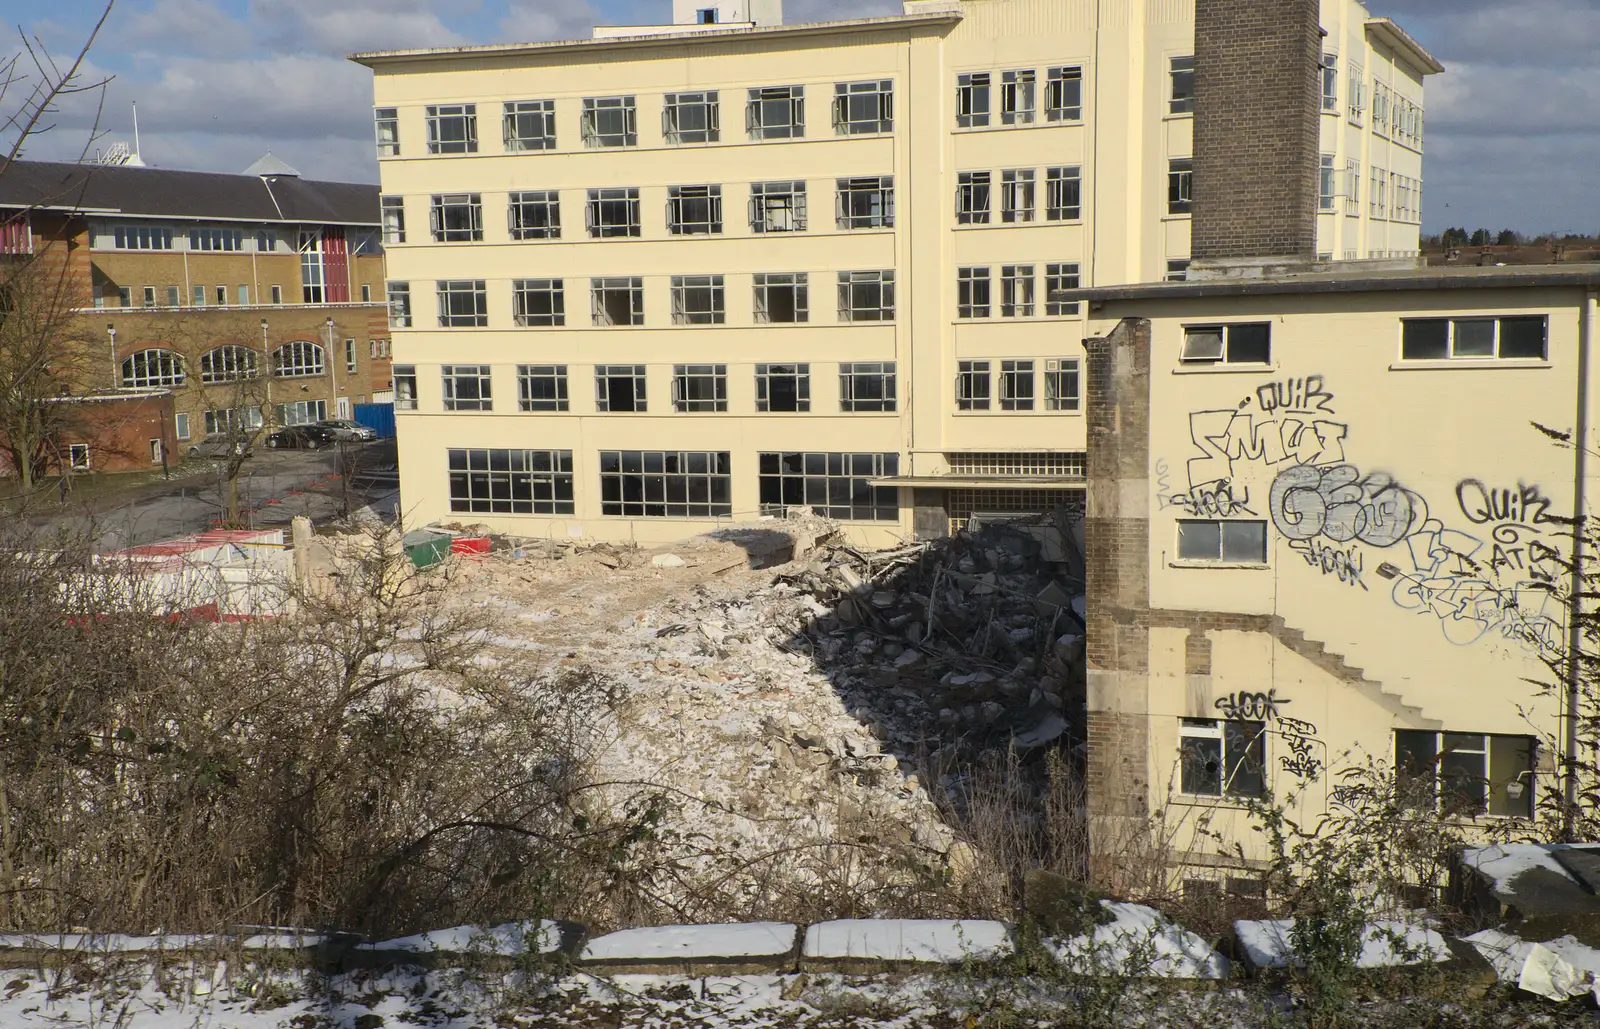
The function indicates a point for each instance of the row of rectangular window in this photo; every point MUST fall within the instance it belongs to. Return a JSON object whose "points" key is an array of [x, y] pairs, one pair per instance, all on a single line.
{"points": [[1063, 195], [200, 296], [672, 484], [1393, 115], [860, 202], [222, 240], [863, 296], [974, 295], [1452, 773], [1472, 337], [770, 112], [703, 388]]}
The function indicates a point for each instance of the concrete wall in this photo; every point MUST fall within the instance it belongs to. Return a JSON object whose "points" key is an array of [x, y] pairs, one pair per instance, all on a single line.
{"points": [[1428, 599]]}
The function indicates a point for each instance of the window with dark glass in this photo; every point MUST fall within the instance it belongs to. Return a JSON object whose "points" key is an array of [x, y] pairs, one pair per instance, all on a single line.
{"points": [[783, 387], [837, 486], [1222, 758], [453, 129], [492, 481], [666, 484], [542, 387]]}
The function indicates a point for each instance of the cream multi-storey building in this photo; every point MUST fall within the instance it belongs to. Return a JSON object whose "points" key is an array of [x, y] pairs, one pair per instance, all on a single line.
{"points": [[673, 275]]}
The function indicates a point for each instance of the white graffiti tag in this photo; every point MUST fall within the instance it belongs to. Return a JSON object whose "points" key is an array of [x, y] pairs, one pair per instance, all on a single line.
{"points": [[1228, 436]]}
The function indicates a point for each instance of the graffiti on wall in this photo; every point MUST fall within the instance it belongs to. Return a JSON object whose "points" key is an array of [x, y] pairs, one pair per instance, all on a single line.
{"points": [[1496, 577], [1298, 735]]}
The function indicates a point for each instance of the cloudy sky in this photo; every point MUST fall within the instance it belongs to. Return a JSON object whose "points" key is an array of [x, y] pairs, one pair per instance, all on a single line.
{"points": [[1513, 127]]}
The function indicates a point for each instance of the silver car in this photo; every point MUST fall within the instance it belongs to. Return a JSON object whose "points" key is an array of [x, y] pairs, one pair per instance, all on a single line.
{"points": [[218, 444], [347, 431]]}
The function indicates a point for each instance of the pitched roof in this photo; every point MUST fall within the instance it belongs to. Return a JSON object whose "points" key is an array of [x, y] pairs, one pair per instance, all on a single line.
{"points": [[161, 193], [271, 164]]}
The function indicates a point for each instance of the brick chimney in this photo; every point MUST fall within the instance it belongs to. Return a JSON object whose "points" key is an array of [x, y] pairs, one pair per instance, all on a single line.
{"points": [[1257, 130]]}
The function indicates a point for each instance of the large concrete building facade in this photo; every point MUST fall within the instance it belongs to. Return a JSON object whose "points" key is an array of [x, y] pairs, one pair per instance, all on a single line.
{"points": [[198, 301], [651, 281]]}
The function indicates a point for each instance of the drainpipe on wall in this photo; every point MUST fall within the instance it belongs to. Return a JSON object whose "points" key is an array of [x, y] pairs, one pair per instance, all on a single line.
{"points": [[1580, 450]]}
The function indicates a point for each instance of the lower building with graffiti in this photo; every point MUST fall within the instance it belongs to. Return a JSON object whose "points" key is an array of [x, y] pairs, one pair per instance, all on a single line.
{"points": [[1330, 522]]}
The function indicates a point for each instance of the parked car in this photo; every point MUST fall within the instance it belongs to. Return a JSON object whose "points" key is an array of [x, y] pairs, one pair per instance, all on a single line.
{"points": [[302, 437], [348, 431], [218, 444]]}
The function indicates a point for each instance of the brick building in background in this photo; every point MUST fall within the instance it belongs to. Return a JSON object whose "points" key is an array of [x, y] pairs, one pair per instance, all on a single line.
{"points": [[201, 300]]}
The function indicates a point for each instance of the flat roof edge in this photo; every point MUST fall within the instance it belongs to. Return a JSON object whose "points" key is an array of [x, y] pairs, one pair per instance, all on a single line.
{"points": [[373, 58], [1589, 278], [1400, 39]]}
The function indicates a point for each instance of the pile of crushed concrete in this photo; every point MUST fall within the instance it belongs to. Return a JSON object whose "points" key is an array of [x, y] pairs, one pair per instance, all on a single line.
{"points": [[795, 708]]}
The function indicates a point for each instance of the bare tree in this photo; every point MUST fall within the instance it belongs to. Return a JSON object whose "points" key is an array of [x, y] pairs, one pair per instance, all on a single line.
{"points": [[40, 361]]}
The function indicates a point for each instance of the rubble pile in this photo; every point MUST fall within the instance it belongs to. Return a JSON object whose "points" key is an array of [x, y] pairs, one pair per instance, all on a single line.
{"points": [[806, 703], [965, 644]]}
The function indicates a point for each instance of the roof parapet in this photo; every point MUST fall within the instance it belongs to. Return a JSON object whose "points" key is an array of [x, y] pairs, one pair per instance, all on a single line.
{"points": [[1386, 31]]}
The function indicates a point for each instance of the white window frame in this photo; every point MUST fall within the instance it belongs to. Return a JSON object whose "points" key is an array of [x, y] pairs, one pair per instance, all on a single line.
{"points": [[456, 296], [461, 117], [791, 100], [601, 287], [672, 108], [854, 375], [551, 309], [392, 212], [699, 388], [767, 283], [799, 377], [973, 99], [228, 363], [864, 202], [597, 107], [1059, 83], [1017, 195], [603, 202], [973, 391], [538, 117], [856, 286], [552, 392], [1016, 291], [397, 295], [151, 368], [698, 300], [683, 214], [974, 197], [778, 206], [878, 95], [1063, 384], [1019, 97], [456, 217], [974, 297], [1180, 74], [386, 131], [533, 214], [467, 387], [298, 359], [1193, 544]]}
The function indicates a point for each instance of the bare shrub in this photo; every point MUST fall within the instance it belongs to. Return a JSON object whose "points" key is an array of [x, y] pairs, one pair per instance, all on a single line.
{"points": [[356, 764]]}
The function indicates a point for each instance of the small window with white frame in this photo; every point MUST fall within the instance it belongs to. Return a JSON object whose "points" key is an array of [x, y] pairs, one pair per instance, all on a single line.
{"points": [[778, 206], [1058, 278], [617, 300], [1016, 385], [694, 210], [1356, 92], [1018, 97], [609, 121], [1466, 774], [972, 386], [534, 214], [866, 296], [1016, 291], [216, 240], [619, 388], [1180, 185], [1061, 387], [78, 456], [399, 298], [1180, 74], [393, 212], [972, 100], [1222, 758], [1063, 94], [1222, 541], [405, 387], [386, 124], [298, 359], [867, 386], [1327, 186], [972, 197], [865, 202], [1016, 195], [691, 118], [863, 108], [1352, 186], [453, 129], [781, 297], [457, 217], [538, 302], [1063, 193], [1239, 343], [783, 388], [1475, 338], [776, 112], [467, 387], [698, 300], [1178, 270], [529, 125], [542, 387], [613, 212], [1330, 83], [972, 292], [462, 303], [699, 388], [153, 367]]}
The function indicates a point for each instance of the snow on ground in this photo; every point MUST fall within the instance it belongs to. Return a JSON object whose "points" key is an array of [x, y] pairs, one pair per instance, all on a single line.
{"points": [[1557, 969], [509, 938], [1502, 863], [1384, 944], [1140, 942], [908, 939], [688, 942]]}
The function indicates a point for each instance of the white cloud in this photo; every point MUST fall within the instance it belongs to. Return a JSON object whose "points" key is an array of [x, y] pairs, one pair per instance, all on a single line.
{"points": [[337, 27], [529, 21]]}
